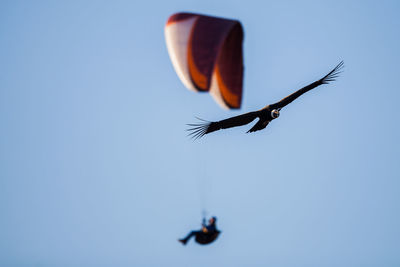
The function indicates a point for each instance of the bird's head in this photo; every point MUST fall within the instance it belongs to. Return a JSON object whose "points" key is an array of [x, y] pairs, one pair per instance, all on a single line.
{"points": [[275, 113]]}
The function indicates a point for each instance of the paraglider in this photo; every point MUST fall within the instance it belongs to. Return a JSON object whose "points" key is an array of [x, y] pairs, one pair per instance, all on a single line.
{"points": [[265, 115], [206, 53], [206, 235]]}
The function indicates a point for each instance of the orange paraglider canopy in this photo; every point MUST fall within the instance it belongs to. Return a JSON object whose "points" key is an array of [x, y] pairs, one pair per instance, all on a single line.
{"points": [[206, 53]]}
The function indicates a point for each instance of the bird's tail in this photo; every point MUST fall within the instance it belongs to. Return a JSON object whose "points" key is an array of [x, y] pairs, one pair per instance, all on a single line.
{"points": [[333, 74]]}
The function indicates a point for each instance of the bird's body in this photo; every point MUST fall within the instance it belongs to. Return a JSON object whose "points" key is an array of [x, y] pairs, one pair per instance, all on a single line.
{"points": [[265, 115]]}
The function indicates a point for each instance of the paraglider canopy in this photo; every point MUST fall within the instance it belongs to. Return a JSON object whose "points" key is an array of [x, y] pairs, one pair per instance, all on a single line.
{"points": [[206, 53]]}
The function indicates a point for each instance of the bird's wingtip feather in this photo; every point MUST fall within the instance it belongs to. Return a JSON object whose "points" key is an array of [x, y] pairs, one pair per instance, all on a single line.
{"points": [[333, 74], [198, 130]]}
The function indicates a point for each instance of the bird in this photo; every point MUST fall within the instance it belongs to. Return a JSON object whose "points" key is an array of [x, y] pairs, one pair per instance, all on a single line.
{"points": [[265, 115]]}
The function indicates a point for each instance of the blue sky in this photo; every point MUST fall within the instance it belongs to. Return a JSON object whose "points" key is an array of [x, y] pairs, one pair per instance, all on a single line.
{"points": [[96, 168]]}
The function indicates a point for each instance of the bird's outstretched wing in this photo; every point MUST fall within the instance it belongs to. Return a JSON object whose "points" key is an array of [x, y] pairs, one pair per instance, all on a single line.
{"points": [[330, 77], [205, 127]]}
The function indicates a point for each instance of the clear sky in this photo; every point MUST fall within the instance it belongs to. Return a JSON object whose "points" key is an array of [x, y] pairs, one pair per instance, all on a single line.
{"points": [[96, 168]]}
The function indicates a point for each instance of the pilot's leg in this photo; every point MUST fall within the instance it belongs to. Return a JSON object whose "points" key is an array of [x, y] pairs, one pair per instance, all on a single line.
{"points": [[190, 235]]}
